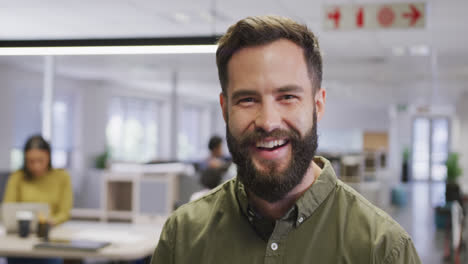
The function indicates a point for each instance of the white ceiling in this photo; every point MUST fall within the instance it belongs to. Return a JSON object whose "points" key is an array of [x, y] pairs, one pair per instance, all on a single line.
{"points": [[359, 66]]}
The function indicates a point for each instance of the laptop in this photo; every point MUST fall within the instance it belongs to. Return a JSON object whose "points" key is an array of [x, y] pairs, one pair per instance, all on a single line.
{"points": [[9, 211], [81, 245]]}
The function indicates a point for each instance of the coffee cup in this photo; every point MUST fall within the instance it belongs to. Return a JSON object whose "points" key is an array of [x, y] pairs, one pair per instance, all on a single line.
{"points": [[43, 230], [24, 219]]}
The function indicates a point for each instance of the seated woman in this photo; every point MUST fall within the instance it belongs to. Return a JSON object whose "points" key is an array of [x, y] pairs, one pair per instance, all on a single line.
{"points": [[37, 181]]}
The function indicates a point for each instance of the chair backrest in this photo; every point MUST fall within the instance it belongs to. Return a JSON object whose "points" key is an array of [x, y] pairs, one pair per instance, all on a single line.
{"points": [[3, 181]]}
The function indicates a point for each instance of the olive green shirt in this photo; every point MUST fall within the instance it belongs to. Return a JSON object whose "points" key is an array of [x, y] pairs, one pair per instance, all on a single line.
{"points": [[330, 223]]}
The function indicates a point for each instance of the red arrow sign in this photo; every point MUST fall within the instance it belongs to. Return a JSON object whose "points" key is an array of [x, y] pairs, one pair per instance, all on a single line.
{"points": [[374, 16], [414, 15], [335, 15]]}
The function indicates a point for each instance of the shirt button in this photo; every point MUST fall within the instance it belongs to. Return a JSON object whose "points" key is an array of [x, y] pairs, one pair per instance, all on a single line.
{"points": [[300, 220], [274, 246]]}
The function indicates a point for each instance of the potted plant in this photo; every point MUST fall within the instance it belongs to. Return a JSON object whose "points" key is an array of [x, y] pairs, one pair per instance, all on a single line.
{"points": [[405, 165], [452, 189], [101, 161]]}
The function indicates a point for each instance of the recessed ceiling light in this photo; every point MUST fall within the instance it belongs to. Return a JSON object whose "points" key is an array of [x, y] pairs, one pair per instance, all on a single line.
{"points": [[181, 17], [109, 50], [419, 50], [207, 16], [398, 51]]}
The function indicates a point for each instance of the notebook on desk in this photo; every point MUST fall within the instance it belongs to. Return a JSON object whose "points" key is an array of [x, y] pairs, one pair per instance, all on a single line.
{"points": [[82, 245]]}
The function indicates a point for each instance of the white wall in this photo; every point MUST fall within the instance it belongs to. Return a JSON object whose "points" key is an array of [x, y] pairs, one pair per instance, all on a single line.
{"points": [[349, 116], [342, 126], [6, 122]]}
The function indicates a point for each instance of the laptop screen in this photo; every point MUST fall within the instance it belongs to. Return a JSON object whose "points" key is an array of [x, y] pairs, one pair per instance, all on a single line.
{"points": [[10, 210]]}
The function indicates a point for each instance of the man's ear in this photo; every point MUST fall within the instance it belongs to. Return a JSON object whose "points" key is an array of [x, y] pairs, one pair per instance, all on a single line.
{"points": [[320, 99], [223, 103]]}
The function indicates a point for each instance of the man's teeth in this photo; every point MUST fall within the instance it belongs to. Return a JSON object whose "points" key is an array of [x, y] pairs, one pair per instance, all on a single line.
{"points": [[270, 144]]}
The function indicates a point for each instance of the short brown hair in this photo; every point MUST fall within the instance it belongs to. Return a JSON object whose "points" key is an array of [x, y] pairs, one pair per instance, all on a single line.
{"points": [[261, 30]]}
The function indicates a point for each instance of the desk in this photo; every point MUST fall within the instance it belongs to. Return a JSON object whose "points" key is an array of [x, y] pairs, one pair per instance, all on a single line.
{"points": [[129, 241]]}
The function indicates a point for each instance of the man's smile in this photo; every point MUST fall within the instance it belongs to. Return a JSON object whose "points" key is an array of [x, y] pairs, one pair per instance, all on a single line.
{"points": [[271, 149], [271, 144]]}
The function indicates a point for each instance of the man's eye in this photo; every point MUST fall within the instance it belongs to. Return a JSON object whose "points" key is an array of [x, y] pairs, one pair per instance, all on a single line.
{"points": [[247, 100], [288, 97]]}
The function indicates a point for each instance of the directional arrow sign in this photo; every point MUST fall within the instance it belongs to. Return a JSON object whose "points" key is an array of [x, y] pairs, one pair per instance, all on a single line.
{"points": [[374, 16], [414, 15]]}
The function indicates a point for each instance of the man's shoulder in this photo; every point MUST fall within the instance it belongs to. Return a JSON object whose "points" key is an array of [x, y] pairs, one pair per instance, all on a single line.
{"points": [[366, 218], [216, 201], [363, 208]]}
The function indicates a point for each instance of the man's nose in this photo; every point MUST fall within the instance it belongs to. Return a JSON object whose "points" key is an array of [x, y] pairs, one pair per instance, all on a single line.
{"points": [[268, 117]]}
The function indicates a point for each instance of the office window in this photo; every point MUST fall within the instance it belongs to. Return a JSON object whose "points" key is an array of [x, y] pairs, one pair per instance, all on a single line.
{"points": [[430, 148], [62, 131], [194, 132], [16, 158], [421, 149], [28, 122], [189, 132], [132, 129]]}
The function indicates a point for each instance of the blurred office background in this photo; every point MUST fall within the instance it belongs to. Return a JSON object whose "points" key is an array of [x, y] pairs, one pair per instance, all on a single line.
{"points": [[389, 92]]}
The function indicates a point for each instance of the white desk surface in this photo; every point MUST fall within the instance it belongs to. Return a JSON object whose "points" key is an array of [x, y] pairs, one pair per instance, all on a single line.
{"points": [[129, 241]]}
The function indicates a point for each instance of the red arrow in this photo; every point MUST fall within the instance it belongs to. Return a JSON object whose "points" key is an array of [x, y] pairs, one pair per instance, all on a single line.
{"points": [[414, 15], [336, 15]]}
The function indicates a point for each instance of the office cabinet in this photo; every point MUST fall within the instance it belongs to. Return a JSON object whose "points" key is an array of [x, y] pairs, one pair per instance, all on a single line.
{"points": [[143, 190]]}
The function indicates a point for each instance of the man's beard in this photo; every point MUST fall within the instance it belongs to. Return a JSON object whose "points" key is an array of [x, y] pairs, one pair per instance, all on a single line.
{"points": [[273, 185]]}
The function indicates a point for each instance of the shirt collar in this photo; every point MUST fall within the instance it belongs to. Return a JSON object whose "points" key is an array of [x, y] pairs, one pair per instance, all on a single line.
{"points": [[306, 205], [318, 192]]}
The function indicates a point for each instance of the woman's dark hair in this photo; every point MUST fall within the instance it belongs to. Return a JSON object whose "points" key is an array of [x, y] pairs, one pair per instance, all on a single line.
{"points": [[214, 142], [35, 142]]}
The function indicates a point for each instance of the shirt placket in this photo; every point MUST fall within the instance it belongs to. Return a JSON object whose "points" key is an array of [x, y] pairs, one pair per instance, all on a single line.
{"points": [[276, 245]]}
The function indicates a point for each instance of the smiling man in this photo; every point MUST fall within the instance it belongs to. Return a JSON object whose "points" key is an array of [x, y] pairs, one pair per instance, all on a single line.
{"points": [[285, 206]]}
